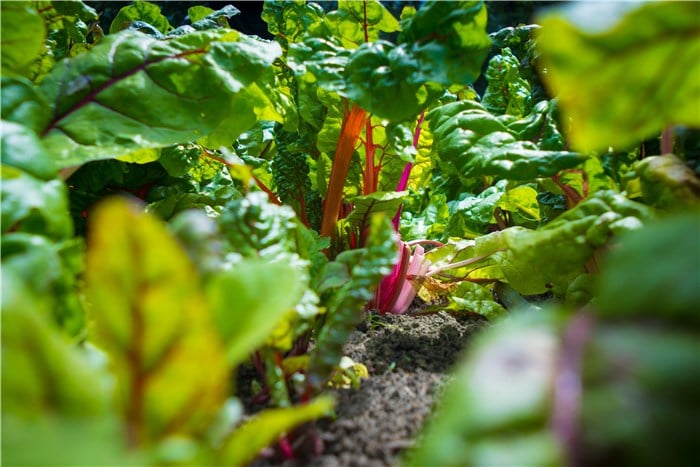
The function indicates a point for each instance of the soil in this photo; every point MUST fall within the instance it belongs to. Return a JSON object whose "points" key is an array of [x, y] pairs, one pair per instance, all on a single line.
{"points": [[409, 358]]}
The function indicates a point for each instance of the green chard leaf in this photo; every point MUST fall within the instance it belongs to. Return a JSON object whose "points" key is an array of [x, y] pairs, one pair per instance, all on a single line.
{"points": [[589, 65], [150, 317], [477, 299], [448, 40], [368, 205], [22, 35], [507, 92], [249, 300], [548, 259], [247, 440], [288, 21], [477, 143], [358, 22], [22, 103], [127, 92], [146, 12]]}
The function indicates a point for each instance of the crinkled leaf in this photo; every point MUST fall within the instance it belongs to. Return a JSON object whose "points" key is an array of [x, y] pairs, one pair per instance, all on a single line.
{"points": [[245, 443], [355, 23], [655, 272], [477, 299], [127, 92], [507, 92], [590, 65], [540, 126], [290, 20], [150, 317], [476, 143], [140, 11], [249, 300], [22, 38], [382, 79], [548, 259], [469, 217], [255, 227]]}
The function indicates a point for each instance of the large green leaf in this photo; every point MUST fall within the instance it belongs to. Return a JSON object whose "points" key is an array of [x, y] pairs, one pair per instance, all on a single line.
{"points": [[248, 302], [128, 92], [247, 440], [22, 37], [548, 259], [448, 40], [477, 143], [150, 317], [623, 79]]}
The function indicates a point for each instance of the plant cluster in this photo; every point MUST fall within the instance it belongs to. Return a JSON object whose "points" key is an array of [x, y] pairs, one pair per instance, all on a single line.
{"points": [[180, 201]]}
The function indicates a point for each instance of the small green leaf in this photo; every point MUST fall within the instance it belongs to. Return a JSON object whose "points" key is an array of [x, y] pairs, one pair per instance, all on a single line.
{"points": [[477, 299], [246, 441], [368, 205], [248, 302], [600, 68], [149, 316], [33, 205], [140, 11]]}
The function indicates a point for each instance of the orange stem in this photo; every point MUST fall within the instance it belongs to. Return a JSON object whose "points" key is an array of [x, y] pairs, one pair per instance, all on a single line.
{"points": [[350, 131]]}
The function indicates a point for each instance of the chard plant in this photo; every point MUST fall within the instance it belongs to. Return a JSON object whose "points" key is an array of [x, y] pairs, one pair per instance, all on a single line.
{"points": [[278, 190]]}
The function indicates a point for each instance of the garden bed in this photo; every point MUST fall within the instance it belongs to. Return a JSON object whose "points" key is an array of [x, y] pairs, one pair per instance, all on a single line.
{"points": [[408, 357]]}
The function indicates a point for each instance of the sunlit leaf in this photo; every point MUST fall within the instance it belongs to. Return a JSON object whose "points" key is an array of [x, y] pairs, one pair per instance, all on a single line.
{"points": [[622, 71]]}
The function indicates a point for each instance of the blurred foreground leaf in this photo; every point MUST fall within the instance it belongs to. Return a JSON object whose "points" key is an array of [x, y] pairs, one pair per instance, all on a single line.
{"points": [[150, 317], [622, 71]]}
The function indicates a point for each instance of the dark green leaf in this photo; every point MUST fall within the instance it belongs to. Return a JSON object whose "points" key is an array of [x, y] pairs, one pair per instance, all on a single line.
{"points": [[655, 272], [448, 41], [507, 92]]}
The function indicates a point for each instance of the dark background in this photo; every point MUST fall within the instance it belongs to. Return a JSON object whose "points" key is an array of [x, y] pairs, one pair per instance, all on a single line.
{"points": [[501, 14]]}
